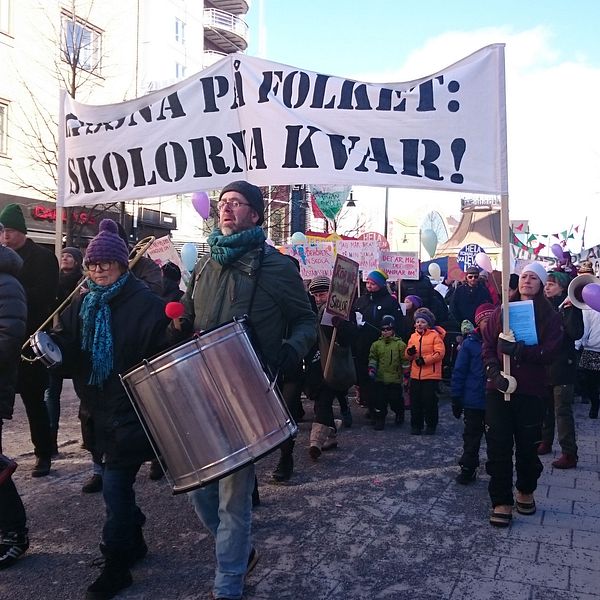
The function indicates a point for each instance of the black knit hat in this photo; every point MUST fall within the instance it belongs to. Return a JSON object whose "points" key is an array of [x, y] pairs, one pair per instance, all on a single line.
{"points": [[388, 321], [171, 271], [75, 253], [251, 193]]}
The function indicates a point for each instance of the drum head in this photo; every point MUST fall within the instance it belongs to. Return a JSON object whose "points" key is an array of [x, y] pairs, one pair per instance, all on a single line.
{"points": [[45, 349]]}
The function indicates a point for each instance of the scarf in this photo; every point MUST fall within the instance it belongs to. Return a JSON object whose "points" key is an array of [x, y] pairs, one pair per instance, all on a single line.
{"points": [[96, 331], [226, 249]]}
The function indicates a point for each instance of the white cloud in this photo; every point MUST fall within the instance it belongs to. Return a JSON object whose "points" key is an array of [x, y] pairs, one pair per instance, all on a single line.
{"points": [[553, 127]]}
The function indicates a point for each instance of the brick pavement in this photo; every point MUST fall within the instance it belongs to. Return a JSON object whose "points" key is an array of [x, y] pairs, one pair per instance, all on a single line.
{"points": [[380, 517]]}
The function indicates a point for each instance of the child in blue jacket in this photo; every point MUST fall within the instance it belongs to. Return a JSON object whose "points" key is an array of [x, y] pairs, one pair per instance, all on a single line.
{"points": [[467, 389]]}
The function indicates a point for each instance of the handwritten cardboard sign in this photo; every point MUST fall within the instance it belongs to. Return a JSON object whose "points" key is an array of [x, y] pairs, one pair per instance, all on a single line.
{"points": [[343, 287]]}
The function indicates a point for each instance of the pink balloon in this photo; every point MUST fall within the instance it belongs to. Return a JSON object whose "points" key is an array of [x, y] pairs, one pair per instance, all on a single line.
{"points": [[201, 204], [591, 295], [557, 250], [483, 262]]}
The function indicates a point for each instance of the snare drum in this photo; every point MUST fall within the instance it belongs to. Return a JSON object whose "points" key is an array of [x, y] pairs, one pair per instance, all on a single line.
{"points": [[45, 349], [208, 406]]}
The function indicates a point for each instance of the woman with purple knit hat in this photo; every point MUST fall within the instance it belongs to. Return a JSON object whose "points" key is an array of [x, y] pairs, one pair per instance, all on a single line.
{"points": [[114, 326]]}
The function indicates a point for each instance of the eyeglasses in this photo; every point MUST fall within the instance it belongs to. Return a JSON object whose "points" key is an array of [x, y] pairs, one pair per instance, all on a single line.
{"points": [[386, 328], [99, 266], [472, 276], [221, 204]]}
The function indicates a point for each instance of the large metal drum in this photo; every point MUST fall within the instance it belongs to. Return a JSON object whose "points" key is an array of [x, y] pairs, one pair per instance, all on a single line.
{"points": [[209, 407]]}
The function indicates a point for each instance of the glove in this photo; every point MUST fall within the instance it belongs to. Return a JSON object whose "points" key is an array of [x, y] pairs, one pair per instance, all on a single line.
{"points": [[456, 408], [501, 381], [508, 345], [288, 360], [335, 321], [372, 372], [411, 351], [420, 361]]}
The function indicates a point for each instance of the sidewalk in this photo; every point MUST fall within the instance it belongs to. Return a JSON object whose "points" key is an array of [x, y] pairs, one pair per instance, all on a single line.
{"points": [[380, 517]]}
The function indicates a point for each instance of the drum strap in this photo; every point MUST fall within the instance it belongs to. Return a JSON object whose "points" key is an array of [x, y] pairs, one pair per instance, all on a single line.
{"points": [[261, 256]]}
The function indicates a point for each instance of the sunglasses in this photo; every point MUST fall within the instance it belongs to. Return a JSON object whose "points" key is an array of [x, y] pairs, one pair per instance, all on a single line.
{"points": [[472, 276], [386, 328]]}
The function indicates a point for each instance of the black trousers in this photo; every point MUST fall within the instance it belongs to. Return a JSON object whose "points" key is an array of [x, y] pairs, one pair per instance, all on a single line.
{"points": [[12, 511], [324, 405], [424, 403], [474, 419], [515, 424], [365, 384], [590, 386], [32, 383], [388, 394]]}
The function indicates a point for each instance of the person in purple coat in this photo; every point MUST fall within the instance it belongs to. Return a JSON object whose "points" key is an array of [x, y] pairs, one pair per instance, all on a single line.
{"points": [[517, 423]]}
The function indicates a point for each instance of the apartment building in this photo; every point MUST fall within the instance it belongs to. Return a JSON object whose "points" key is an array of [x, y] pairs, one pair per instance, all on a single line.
{"points": [[101, 51]]}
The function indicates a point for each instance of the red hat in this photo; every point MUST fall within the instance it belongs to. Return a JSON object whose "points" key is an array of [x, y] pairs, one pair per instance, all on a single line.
{"points": [[483, 311]]}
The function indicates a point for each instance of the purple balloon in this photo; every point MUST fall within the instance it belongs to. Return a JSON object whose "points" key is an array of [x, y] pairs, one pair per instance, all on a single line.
{"points": [[201, 204], [557, 250], [591, 295]]}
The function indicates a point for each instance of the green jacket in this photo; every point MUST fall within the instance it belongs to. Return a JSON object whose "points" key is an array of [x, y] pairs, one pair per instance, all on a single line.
{"points": [[280, 313], [386, 356]]}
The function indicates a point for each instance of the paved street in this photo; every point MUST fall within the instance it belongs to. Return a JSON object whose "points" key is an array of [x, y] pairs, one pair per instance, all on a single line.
{"points": [[380, 517]]}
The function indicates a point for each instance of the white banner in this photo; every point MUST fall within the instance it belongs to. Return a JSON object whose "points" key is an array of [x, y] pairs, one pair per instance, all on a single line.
{"points": [[267, 123]]}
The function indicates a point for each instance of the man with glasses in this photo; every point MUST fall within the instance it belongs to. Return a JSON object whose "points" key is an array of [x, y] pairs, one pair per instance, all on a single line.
{"points": [[39, 277], [242, 275], [469, 296]]}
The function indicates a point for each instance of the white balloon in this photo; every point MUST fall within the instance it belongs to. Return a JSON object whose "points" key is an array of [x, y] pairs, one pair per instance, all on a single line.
{"points": [[435, 271], [483, 262]]}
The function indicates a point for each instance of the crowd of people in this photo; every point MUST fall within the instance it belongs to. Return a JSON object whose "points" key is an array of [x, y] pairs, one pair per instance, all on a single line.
{"points": [[395, 349]]}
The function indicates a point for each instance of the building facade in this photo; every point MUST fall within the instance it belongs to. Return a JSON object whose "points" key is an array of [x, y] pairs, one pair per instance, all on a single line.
{"points": [[102, 52]]}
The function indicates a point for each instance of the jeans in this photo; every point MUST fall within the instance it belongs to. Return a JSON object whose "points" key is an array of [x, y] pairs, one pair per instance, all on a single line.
{"points": [[474, 419], [225, 509], [52, 399], [559, 414], [516, 423], [124, 518], [12, 511]]}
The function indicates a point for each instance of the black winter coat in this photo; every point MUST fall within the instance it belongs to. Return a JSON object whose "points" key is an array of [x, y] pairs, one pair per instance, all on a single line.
{"points": [[373, 307], [13, 318], [39, 277], [110, 425], [465, 301], [563, 370]]}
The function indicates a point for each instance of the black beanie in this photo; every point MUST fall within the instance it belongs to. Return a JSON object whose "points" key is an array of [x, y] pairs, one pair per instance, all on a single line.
{"points": [[251, 193]]}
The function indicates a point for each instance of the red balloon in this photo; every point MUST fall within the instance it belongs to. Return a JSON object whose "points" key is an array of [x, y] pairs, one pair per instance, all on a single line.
{"points": [[174, 310]]}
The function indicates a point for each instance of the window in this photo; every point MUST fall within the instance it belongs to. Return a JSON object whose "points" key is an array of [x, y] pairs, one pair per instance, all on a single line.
{"points": [[179, 31], [180, 71], [82, 44], [3, 126], [5, 16]]}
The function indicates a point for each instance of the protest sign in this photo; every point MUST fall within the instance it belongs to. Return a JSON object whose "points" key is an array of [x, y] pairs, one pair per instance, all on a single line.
{"points": [[466, 256], [343, 287], [268, 123], [364, 252], [316, 260], [163, 251], [400, 265]]}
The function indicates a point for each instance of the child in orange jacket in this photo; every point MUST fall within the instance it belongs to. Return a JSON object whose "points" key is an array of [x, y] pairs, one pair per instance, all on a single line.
{"points": [[425, 351]]}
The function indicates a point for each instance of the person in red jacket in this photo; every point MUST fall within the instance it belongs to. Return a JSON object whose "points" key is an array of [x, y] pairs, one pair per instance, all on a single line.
{"points": [[425, 352]]}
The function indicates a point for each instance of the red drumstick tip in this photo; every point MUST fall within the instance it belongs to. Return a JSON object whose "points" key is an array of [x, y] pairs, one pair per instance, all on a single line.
{"points": [[174, 310]]}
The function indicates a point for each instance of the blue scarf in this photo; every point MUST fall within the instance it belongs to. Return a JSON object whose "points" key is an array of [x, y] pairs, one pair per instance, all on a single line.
{"points": [[226, 249], [96, 331]]}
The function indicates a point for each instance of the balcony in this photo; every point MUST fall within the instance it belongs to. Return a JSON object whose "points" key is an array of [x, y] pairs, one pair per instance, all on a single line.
{"points": [[226, 31], [210, 57], [235, 7]]}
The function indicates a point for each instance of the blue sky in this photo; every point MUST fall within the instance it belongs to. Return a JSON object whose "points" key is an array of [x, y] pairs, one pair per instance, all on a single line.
{"points": [[552, 69]]}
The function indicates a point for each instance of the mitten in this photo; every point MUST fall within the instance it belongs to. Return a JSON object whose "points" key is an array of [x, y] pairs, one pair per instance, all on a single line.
{"points": [[456, 408], [372, 372], [420, 361], [508, 345], [500, 380], [288, 360], [411, 351]]}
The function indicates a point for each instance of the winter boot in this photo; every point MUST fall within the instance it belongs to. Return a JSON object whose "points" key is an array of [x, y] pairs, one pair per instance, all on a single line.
{"points": [[347, 418], [544, 448], [92, 485], [12, 546], [379, 423], [318, 436], [565, 461], [466, 476], [156, 471], [285, 467], [115, 576], [331, 442]]}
